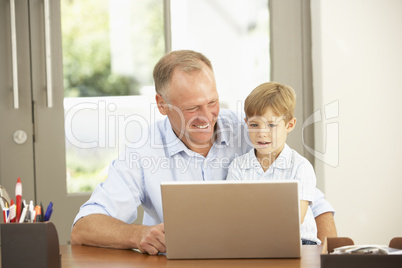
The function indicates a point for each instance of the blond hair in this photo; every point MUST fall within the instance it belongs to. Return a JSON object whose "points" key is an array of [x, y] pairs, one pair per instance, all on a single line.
{"points": [[281, 98], [186, 60]]}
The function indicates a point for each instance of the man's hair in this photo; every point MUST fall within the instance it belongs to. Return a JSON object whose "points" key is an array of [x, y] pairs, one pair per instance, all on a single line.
{"points": [[185, 60], [280, 98]]}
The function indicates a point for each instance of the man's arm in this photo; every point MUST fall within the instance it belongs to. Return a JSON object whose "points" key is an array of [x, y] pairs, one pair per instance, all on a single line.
{"points": [[325, 226], [105, 231]]}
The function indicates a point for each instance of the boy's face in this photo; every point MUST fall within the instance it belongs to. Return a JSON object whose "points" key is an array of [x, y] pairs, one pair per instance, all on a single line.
{"points": [[268, 133]]}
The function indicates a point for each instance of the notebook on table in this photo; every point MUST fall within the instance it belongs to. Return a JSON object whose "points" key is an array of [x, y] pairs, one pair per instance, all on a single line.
{"points": [[231, 219]]}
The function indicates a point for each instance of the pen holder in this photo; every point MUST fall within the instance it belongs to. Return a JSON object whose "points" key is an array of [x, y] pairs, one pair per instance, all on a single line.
{"points": [[30, 245]]}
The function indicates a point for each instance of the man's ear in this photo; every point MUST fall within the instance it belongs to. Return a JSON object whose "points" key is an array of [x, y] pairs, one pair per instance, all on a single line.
{"points": [[291, 124], [162, 105]]}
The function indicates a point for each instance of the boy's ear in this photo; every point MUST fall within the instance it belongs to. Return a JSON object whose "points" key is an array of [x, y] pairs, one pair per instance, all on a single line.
{"points": [[162, 105], [245, 119], [291, 124]]}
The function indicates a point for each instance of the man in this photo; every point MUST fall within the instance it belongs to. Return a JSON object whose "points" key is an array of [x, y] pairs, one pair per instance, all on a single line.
{"points": [[197, 141]]}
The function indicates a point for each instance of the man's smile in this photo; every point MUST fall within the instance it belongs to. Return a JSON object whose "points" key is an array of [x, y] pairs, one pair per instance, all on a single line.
{"points": [[201, 126]]}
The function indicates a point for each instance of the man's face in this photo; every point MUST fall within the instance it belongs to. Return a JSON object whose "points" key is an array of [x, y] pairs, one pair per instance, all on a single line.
{"points": [[268, 133], [193, 107]]}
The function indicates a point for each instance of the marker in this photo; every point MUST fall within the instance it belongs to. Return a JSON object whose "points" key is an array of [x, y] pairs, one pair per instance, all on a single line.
{"points": [[38, 213], [18, 195], [49, 211]]}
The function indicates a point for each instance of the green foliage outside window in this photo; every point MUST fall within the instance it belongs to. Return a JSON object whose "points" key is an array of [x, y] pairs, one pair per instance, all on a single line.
{"points": [[87, 66], [86, 52]]}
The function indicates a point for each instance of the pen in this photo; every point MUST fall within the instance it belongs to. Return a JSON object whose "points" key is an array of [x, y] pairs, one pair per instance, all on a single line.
{"points": [[12, 213], [18, 195], [6, 212], [49, 211], [22, 207], [32, 213], [42, 213], [23, 214], [26, 215]]}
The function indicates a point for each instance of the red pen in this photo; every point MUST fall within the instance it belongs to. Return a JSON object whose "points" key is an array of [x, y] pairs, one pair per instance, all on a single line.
{"points": [[18, 195]]}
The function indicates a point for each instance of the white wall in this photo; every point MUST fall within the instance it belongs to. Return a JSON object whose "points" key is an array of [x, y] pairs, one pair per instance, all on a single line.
{"points": [[357, 61]]}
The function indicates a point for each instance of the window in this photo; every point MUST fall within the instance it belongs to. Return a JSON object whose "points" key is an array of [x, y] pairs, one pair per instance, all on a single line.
{"points": [[109, 50]]}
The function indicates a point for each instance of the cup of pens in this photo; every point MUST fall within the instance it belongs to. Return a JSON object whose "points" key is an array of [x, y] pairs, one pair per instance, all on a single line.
{"points": [[20, 211], [30, 213], [28, 238]]}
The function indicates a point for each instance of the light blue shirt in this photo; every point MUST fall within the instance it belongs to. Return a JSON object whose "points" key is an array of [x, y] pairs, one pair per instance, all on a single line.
{"points": [[288, 166], [134, 179]]}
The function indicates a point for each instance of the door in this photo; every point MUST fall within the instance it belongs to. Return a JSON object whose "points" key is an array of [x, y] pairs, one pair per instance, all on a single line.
{"points": [[48, 113], [16, 126], [31, 86]]}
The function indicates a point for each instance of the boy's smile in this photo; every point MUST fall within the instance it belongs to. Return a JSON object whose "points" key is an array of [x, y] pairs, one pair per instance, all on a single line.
{"points": [[263, 143]]}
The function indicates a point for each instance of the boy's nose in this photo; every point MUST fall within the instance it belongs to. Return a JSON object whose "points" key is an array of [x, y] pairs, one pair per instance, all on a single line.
{"points": [[264, 132], [265, 129]]}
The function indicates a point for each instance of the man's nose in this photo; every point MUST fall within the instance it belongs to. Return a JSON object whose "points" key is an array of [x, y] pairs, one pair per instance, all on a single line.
{"points": [[205, 112]]}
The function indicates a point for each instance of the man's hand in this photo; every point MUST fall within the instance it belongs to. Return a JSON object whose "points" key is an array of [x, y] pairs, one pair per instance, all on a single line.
{"points": [[105, 231], [152, 239]]}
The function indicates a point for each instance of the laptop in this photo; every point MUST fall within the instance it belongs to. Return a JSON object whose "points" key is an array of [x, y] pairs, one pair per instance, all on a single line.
{"points": [[231, 219]]}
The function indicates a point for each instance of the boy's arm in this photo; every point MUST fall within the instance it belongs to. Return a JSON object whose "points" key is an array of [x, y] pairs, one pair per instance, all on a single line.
{"points": [[303, 210], [307, 182], [324, 216]]}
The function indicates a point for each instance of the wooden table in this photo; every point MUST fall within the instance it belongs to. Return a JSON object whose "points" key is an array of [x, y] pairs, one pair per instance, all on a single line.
{"points": [[85, 256]]}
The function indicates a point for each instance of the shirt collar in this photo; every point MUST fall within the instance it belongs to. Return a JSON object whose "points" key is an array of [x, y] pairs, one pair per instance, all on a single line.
{"points": [[173, 144], [283, 161], [223, 129]]}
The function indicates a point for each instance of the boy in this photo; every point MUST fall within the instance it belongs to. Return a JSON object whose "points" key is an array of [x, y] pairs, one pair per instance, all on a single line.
{"points": [[270, 117]]}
